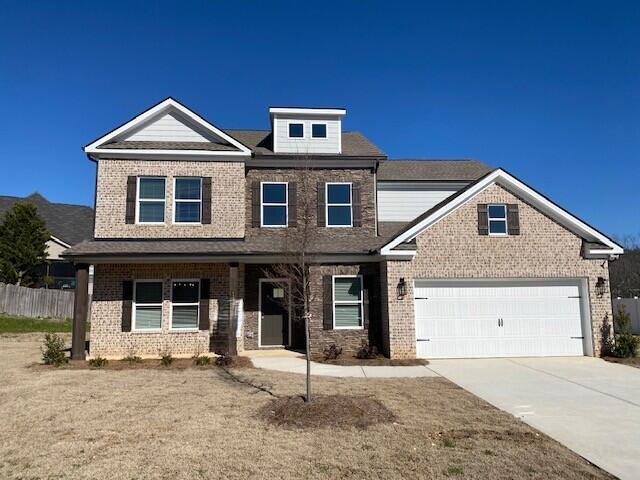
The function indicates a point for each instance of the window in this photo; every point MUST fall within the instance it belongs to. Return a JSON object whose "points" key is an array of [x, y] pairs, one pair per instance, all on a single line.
{"points": [[274, 204], [151, 194], [147, 308], [319, 130], [339, 205], [347, 301], [497, 219], [296, 130], [185, 302], [188, 200]]}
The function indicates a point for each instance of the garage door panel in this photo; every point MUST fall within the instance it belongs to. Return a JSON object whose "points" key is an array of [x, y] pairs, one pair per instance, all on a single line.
{"points": [[494, 320]]}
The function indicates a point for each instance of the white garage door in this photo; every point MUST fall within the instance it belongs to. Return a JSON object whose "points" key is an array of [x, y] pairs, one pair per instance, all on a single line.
{"points": [[497, 319]]}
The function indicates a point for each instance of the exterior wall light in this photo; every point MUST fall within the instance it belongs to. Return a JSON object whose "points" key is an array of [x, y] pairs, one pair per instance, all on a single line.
{"points": [[600, 286], [401, 288]]}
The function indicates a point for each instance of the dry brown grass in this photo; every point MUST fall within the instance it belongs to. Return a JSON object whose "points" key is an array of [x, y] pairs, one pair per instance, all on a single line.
{"points": [[631, 361], [202, 424]]}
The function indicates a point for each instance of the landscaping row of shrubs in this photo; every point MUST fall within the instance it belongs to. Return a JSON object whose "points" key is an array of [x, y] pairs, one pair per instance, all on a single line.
{"points": [[54, 354]]}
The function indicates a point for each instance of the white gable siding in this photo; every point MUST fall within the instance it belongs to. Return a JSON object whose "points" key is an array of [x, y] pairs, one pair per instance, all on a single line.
{"points": [[168, 128], [284, 144], [404, 201]]}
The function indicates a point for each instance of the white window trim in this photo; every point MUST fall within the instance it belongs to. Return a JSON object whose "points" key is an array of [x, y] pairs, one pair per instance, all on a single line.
{"points": [[138, 199], [134, 304], [326, 130], [191, 304], [176, 200], [271, 204], [327, 205], [297, 122], [350, 302], [489, 220]]}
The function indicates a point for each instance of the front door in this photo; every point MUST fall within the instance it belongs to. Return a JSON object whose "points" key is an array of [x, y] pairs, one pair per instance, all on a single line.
{"points": [[274, 314]]}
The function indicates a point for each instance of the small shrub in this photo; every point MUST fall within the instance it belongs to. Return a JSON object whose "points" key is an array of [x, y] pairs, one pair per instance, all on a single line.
{"points": [[449, 443], [53, 351], [367, 352], [332, 352], [201, 360], [455, 471], [224, 360], [131, 359], [166, 359], [626, 343], [98, 362]]}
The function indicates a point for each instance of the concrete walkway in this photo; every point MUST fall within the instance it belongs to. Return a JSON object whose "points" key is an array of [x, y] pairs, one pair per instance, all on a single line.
{"points": [[589, 405], [291, 362]]}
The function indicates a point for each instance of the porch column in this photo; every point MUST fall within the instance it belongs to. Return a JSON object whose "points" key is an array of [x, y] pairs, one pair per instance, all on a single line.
{"points": [[80, 306], [233, 313]]}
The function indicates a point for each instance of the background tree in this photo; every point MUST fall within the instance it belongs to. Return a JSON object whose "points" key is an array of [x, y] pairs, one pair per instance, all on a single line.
{"points": [[625, 272], [292, 274], [23, 244]]}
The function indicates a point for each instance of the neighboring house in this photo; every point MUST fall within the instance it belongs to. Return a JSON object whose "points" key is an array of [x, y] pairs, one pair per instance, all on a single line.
{"points": [[422, 258], [67, 225]]}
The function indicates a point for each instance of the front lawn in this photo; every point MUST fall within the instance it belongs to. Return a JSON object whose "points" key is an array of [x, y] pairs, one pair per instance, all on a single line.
{"points": [[15, 324], [204, 423]]}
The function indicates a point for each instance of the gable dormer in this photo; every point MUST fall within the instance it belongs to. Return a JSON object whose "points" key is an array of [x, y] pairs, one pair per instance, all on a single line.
{"points": [[307, 130]]}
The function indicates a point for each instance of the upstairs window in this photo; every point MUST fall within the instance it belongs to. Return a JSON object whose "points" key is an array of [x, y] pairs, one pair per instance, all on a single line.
{"points": [[187, 206], [347, 301], [339, 205], [497, 217], [274, 204], [147, 308], [319, 130], [151, 199], [296, 130], [185, 304]]}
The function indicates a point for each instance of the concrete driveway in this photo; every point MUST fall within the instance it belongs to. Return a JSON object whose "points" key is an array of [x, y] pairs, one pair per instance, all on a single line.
{"points": [[587, 404]]}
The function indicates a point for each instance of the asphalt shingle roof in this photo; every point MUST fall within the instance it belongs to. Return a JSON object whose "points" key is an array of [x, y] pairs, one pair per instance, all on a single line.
{"points": [[432, 170], [70, 223]]}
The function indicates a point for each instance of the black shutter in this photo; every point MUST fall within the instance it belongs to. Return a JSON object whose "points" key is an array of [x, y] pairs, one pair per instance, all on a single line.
{"points": [[293, 204], [255, 204], [130, 209], [127, 301], [206, 200], [357, 205], [322, 222], [366, 293], [483, 219], [205, 287], [513, 219], [327, 302]]}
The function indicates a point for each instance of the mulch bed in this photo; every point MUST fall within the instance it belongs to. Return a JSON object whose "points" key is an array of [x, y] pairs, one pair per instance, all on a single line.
{"points": [[632, 361], [177, 364], [376, 362], [334, 411]]}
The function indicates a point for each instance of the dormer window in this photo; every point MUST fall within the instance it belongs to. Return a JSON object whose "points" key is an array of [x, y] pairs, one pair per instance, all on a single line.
{"points": [[296, 130], [319, 130]]}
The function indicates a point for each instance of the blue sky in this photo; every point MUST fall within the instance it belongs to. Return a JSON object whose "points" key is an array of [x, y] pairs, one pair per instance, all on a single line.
{"points": [[548, 90]]}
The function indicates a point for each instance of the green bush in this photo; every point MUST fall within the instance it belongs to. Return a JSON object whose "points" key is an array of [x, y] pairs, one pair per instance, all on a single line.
{"points": [[53, 350], [131, 359], [98, 362], [201, 360], [166, 359], [626, 343]]}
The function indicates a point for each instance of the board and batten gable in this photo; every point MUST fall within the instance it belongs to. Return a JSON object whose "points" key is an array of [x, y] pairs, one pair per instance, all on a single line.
{"points": [[404, 201], [168, 128]]}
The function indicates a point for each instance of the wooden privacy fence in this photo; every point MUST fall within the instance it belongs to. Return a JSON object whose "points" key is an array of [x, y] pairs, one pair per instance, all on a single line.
{"points": [[36, 302]]}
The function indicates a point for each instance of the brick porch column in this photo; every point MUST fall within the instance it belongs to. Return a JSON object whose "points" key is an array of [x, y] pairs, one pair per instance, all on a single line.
{"points": [[80, 307]]}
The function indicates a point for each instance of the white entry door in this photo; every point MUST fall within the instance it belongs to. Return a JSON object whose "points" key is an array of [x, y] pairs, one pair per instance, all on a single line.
{"points": [[497, 319]]}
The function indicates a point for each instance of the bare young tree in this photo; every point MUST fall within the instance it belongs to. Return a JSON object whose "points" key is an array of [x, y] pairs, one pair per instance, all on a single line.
{"points": [[292, 273]]}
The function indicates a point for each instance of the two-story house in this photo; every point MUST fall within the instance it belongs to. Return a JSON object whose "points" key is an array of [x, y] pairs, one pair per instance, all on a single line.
{"points": [[421, 258]]}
